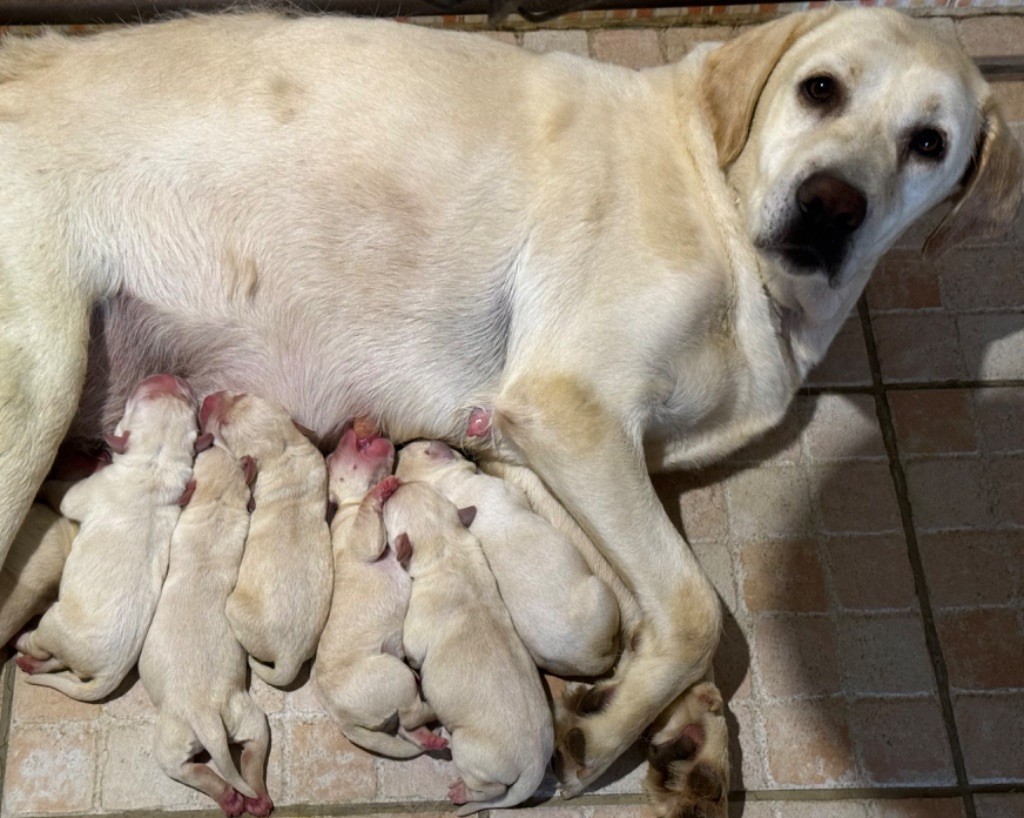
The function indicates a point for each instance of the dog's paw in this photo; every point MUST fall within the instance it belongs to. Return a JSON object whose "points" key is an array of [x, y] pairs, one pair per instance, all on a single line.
{"points": [[232, 803], [688, 757], [578, 758]]}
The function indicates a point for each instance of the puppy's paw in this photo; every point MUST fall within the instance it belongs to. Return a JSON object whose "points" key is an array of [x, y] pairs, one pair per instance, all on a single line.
{"points": [[688, 757], [428, 739], [258, 807], [457, 793], [232, 803]]}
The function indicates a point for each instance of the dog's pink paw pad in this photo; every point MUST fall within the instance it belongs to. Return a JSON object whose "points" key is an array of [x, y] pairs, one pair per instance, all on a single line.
{"points": [[457, 793], [429, 740], [29, 664], [232, 803], [479, 423], [385, 488], [259, 807]]}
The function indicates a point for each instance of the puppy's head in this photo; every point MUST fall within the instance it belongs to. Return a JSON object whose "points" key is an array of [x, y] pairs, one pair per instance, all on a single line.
{"points": [[420, 524], [249, 425], [160, 411], [838, 130], [358, 463], [424, 459], [221, 479]]}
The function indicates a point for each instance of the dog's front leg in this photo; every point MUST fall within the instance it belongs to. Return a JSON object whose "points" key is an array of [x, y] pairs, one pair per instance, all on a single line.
{"points": [[593, 461], [44, 333]]}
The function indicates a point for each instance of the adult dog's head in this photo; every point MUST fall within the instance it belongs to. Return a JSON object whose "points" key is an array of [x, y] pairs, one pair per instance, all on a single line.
{"points": [[839, 129]]}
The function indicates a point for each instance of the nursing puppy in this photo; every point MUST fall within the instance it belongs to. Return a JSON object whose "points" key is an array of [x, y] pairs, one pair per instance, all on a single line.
{"points": [[566, 617], [474, 671], [191, 665], [30, 577], [280, 604], [113, 575], [359, 674]]}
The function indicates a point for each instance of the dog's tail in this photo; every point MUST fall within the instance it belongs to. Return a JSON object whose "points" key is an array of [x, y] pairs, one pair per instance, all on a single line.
{"points": [[214, 737], [521, 789], [383, 743], [98, 687], [283, 672]]}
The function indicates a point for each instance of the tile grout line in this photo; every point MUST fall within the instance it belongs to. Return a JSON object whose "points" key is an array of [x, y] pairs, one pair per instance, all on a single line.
{"points": [[6, 714], [931, 633]]}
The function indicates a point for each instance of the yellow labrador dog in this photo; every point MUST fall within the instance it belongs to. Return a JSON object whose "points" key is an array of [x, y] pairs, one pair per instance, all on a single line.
{"points": [[634, 269]]}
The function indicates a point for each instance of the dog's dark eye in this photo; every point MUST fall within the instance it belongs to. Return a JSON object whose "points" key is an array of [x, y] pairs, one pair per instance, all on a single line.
{"points": [[928, 143], [820, 89]]}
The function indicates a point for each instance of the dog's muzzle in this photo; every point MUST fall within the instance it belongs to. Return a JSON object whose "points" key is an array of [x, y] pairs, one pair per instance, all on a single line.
{"points": [[827, 212]]}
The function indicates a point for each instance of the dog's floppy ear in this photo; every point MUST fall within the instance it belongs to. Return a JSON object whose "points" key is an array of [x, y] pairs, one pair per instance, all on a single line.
{"points": [[736, 73], [991, 190]]}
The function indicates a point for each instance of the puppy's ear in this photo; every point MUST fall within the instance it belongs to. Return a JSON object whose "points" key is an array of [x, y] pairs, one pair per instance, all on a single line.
{"points": [[118, 443], [203, 442], [467, 515], [403, 549], [248, 464], [736, 72], [991, 190]]}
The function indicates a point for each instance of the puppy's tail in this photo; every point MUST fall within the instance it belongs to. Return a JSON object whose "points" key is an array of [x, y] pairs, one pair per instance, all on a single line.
{"points": [[98, 687], [212, 735], [383, 743], [282, 673], [523, 787]]}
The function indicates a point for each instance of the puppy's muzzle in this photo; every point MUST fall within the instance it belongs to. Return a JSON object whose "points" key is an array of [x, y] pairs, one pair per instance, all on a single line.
{"points": [[828, 212]]}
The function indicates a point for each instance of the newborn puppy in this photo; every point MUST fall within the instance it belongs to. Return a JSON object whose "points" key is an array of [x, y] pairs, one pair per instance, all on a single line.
{"points": [[113, 575], [191, 665], [359, 674], [567, 617], [30, 576], [475, 672], [280, 604]]}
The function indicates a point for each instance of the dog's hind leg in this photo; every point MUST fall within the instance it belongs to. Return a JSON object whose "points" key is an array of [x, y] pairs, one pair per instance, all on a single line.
{"points": [[174, 748], [44, 329], [247, 725], [587, 453]]}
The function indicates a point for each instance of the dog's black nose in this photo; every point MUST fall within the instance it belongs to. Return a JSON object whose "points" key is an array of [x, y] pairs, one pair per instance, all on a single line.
{"points": [[831, 205]]}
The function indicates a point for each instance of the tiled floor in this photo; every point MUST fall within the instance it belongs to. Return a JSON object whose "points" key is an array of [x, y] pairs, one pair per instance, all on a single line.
{"points": [[869, 553]]}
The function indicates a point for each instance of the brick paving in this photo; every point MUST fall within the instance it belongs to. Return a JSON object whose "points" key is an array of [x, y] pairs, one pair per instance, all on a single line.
{"points": [[868, 552]]}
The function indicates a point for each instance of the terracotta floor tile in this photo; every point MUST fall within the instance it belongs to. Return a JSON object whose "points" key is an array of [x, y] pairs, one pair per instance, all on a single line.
{"points": [[797, 656], [809, 743], [870, 572], [324, 767], [33, 703], [918, 347], [950, 493], [1000, 806], [992, 345], [884, 653], [695, 502], [843, 427], [972, 567], [769, 502], [783, 576], [919, 808], [902, 741], [572, 41], [817, 809], [856, 497], [633, 48], [998, 412], [984, 648], [846, 363], [933, 421], [131, 779], [421, 779], [680, 41], [904, 281], [50, 768], [992, 735]]}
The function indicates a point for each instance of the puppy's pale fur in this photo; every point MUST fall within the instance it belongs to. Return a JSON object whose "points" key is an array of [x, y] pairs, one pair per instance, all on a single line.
{"points": [[191, 665], [113, 575], [30, 577], [566, 617], [580, 245], [359, 673], [474, 671], [282, 599]]}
